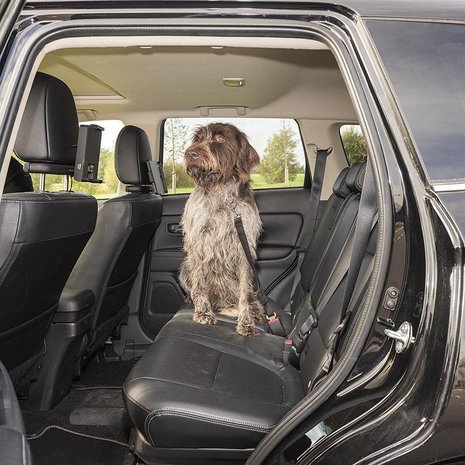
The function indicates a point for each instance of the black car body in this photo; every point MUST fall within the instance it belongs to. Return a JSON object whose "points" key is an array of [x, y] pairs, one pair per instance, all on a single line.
{"points": [[403, 64]]}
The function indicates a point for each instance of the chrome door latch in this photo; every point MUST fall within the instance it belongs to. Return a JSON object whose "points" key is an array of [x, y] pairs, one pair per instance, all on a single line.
{"points": [[403, 336]]}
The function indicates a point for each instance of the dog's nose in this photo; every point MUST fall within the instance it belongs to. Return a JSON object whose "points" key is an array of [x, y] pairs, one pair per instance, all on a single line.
{"points": [[192, 154]]}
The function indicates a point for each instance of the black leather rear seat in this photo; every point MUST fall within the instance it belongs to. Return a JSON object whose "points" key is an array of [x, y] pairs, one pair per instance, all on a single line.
{"points": [[207, 387]]}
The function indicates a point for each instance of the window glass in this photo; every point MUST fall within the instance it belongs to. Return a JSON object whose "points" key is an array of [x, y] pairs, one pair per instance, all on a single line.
{"points": [[106, 172], [353, 142], [277, 141], [426, 66]]}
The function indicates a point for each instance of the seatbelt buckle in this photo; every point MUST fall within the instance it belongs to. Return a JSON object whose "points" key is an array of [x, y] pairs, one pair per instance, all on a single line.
{"points": [[286, 350], [275, 325], [273, 318]]}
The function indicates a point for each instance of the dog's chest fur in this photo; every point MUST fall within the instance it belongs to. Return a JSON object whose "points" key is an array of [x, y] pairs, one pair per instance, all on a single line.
{"points": [[210, 237]]}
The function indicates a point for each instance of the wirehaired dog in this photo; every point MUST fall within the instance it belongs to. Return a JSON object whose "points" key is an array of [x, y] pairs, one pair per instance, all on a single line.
{"points": [[216, 274]]}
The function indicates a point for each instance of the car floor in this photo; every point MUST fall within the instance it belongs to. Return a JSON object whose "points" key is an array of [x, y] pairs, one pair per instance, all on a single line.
{"points": [[93, 409]]}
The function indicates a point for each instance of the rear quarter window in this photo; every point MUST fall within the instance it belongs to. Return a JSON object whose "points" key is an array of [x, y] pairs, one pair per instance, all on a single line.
{"points": [[353, 142]]}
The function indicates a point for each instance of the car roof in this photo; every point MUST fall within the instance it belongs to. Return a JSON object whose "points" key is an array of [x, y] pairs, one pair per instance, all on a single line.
{"points": [[452, 10]]}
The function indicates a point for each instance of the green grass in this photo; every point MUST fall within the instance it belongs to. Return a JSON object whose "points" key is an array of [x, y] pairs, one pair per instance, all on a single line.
{"points": [[257, 183]]}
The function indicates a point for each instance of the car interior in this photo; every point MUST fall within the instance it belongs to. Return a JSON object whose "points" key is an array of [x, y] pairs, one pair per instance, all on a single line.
{"points": [[95, 331]]}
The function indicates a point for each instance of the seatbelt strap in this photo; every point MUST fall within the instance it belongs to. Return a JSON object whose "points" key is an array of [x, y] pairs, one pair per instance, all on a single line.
{"points": [[366, 219], [248, 255], [311, 213]]}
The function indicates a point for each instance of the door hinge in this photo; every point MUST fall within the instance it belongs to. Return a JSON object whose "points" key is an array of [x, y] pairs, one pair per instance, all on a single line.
{"points": [[403, 336]]}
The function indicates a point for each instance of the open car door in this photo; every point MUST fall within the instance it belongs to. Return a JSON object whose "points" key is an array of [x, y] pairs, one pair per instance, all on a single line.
{"points": [[14, 449], [9, 12]]}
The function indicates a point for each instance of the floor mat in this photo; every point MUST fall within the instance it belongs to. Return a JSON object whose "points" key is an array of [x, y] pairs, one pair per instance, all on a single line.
{"points": [[93, 407], [56, 447], [105, 374], [101, 407]]}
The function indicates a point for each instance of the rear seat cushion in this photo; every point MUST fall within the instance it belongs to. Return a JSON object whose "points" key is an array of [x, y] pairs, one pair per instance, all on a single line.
{"points": [[210, 388]]}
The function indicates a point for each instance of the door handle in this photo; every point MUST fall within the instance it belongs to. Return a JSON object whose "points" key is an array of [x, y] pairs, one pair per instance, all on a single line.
{"points": [[174, 228]]}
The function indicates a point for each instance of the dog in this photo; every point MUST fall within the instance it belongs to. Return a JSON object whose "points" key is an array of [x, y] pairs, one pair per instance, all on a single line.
{"points": [[215, 273]]}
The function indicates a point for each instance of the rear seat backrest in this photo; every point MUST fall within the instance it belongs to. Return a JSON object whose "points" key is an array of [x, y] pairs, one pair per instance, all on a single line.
{"points": [[326, 291], [315, 350], [346, 189], [323, 227]]}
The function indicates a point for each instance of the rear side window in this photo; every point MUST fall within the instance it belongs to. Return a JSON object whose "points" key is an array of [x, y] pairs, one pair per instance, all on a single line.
{"points": [[106, 172], [277, 141], [353, 143], [426, 66]]}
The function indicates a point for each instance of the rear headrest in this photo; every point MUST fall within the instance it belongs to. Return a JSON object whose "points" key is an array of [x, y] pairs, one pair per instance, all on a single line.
{"points": [[340, 187], [132, 151], [354, 180], [48, 133]]}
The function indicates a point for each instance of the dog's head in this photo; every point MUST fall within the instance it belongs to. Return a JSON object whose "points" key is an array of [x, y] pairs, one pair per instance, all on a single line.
{"points": [[220, 153]]}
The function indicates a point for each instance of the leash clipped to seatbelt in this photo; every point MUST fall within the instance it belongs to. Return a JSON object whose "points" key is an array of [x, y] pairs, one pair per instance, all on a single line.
{"points": [[367, 215], [311, 215], [277, 319], [248, 255]]}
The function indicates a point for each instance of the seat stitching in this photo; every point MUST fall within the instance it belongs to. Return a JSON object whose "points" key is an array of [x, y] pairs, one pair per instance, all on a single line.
{"points": [[203, 417], [163, 380]]}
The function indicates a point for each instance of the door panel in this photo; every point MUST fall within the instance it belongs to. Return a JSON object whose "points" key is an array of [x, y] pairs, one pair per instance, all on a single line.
{"points": [[282, 213]]}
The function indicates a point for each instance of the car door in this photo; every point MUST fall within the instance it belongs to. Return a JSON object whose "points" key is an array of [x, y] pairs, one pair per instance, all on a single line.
{"points": [[282, 211], [9, 13], [13, 445], [14, 449]]}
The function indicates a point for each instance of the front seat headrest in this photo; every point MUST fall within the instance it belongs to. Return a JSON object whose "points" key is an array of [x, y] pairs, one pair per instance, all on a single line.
{"points": [[48, 134], [355, 177], [132, 152]]}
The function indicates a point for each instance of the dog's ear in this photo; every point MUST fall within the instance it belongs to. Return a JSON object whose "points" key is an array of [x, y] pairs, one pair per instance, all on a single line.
{"points": [[247, 160]]}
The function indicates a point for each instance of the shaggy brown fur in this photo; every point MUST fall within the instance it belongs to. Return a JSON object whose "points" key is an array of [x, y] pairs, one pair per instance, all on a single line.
{"points": [[215, 273]]}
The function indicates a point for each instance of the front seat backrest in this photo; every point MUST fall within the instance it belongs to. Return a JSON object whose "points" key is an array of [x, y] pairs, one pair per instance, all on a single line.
{"points": [[125, 226], [42, 234]]}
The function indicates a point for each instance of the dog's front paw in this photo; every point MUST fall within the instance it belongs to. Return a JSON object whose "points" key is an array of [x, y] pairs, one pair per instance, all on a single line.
{"points": [[204, 318], [246, 329]]}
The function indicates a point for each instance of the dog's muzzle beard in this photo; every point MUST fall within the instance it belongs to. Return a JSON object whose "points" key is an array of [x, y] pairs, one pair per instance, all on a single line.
{"points": [[203, 177]]}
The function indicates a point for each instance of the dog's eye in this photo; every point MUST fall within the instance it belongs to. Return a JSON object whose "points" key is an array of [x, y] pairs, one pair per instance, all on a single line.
{"points": [[218, 138]]}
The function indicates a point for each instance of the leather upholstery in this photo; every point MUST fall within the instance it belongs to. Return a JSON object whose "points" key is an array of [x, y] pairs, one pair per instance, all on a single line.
{"points": [[42, 237], [210, 388], [340, 188], [355, 177], [48, 132], [132, 169], [202, 386], [42, 234], [125, 225]]}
